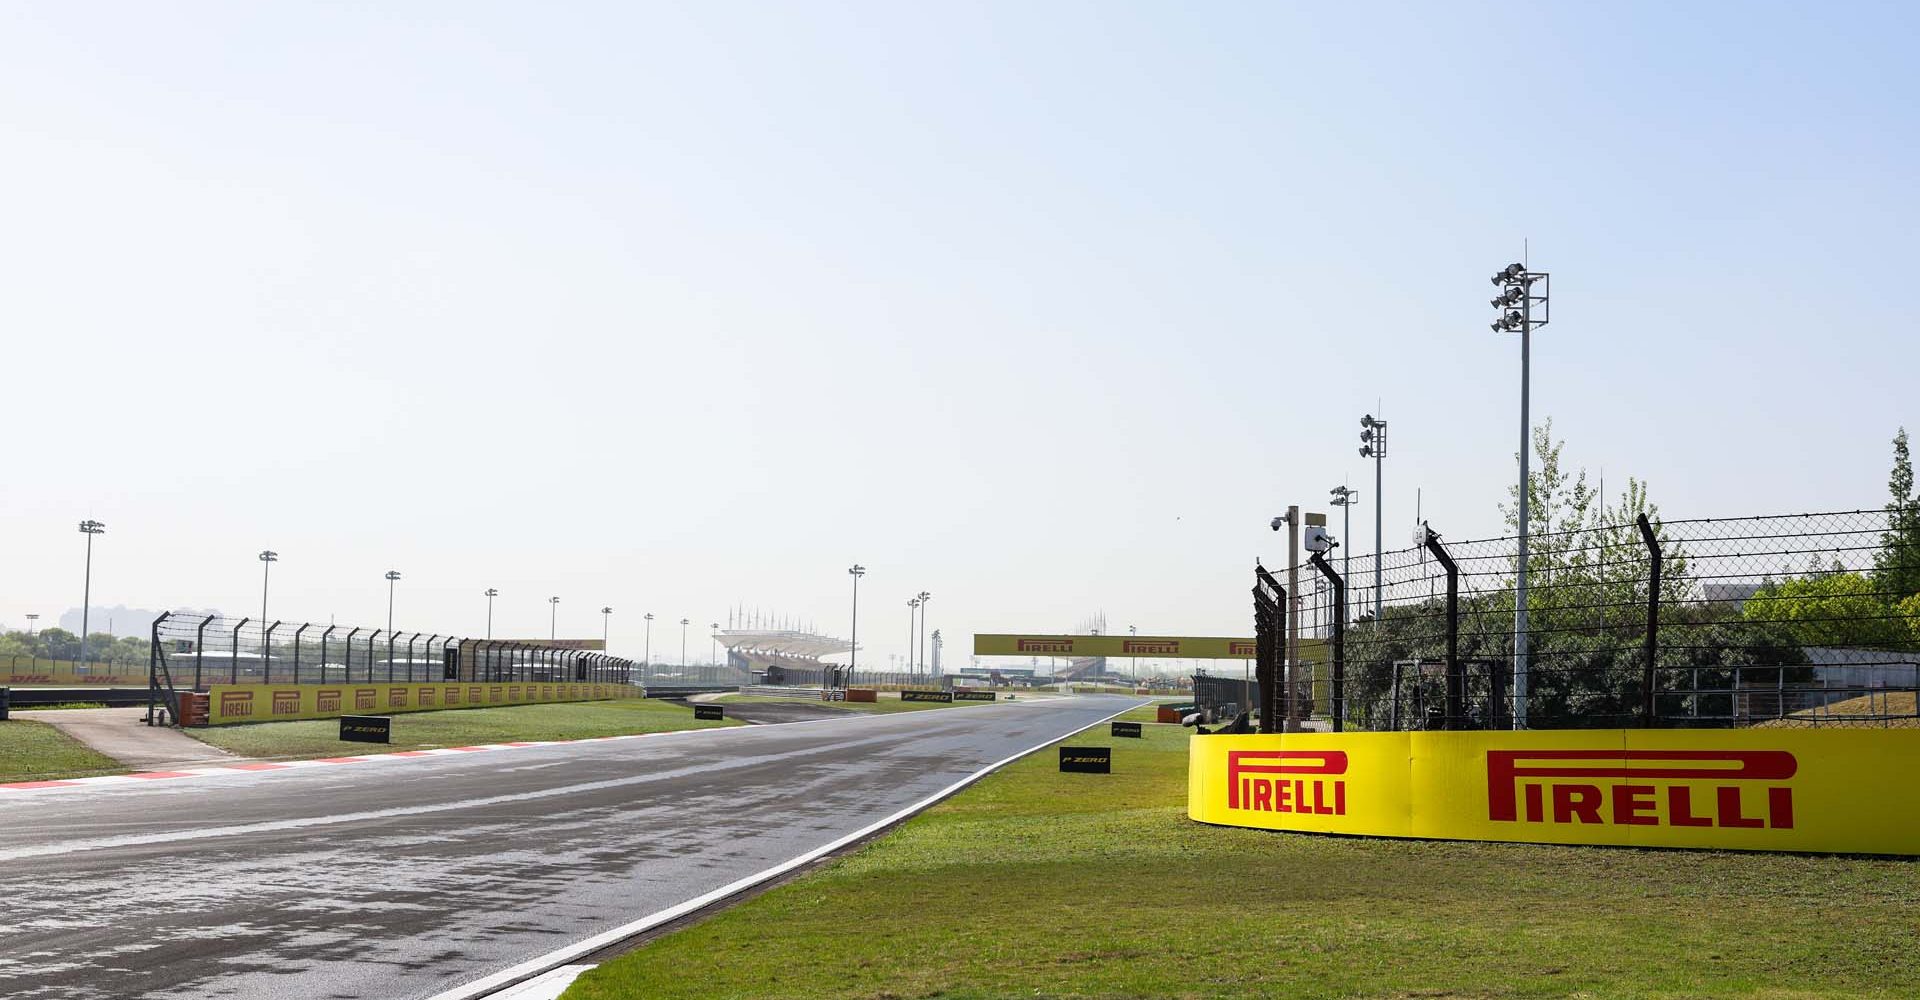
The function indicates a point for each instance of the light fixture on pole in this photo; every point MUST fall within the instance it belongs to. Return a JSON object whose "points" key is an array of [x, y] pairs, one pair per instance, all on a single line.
{"points": [[30, 620], [683, 645], [267, 558], [393, 577], [1374, 436], [89, 528], [713, 647], [853, 650], [491, 594], [1516, 285], [1344, 499], [646, 658], [553, 618], [924, 598], [606, 625], [913, 604]]}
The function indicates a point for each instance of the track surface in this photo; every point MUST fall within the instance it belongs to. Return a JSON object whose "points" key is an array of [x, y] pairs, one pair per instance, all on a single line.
{"points": [[402, 878]]}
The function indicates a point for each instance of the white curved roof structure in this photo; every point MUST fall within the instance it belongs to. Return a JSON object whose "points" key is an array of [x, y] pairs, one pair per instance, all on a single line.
{"points": [[784, 642]]}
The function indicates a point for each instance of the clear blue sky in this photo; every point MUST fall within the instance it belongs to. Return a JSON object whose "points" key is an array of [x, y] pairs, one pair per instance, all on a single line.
{"points": [[1045, 308]]}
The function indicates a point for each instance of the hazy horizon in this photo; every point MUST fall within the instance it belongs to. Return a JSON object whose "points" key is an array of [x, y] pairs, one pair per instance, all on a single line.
{"points": [[1043, 309]]}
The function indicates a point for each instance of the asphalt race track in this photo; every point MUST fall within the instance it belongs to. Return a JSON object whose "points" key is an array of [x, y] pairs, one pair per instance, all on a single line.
{"points": [[403, 878]]}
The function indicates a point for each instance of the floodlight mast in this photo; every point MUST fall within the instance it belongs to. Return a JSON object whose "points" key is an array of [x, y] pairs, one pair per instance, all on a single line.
{"points": [[1517, 284], [1374, 436]]}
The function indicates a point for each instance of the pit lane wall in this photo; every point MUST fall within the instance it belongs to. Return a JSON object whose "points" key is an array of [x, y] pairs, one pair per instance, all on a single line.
{"points": [[1830, 790], [228, 703]]}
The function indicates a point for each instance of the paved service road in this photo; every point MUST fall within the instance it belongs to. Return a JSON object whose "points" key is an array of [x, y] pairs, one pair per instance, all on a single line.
{"points": [[402, 878]]}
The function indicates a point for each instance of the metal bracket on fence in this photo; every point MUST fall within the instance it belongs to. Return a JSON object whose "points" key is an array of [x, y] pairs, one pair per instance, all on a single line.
{"points": [[1647, 717]]}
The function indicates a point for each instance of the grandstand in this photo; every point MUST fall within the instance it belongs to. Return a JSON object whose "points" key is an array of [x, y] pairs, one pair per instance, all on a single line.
{"points": [[779, 656]]}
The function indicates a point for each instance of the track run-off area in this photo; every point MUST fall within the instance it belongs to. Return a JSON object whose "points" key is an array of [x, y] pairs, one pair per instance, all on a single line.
{"points": [[419, 876]]}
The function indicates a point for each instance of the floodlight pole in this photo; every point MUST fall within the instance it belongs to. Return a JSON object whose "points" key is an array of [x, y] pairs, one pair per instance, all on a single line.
{"points": [[853, 652], [1519, 282], [89, 528]]}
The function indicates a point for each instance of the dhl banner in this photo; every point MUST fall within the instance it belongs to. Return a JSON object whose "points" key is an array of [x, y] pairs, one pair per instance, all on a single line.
{"points": [[1168, 646], [1837, 790], [27, 677], [278, 702]]}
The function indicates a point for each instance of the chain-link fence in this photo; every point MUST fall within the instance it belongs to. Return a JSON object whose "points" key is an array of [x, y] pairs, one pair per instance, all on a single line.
{"points": [[1780, 620], [193, 652]]}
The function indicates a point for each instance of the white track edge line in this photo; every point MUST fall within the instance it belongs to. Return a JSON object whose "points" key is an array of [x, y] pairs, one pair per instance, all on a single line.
{"points": [[554, 959]]}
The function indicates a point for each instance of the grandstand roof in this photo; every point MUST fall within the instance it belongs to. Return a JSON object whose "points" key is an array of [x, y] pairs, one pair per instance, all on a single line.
{"points": [[787, 642]]}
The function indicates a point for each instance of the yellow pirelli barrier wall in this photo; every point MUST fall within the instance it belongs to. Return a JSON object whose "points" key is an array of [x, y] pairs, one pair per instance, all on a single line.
{"points": [[279, 702], [1840, 790]]}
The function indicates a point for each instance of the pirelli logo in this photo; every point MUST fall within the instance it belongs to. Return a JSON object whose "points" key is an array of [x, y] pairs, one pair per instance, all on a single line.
{"points": [[1242, 648], [1045, 645], [364, 698], [286, 702], [236, 703], [1724, 788], [426, 697], [1288, 781], [327, 700], [396, 697], [1151, 647]]}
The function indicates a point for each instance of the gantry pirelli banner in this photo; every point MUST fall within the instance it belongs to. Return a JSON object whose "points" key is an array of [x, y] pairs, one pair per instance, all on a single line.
{"points": [[276, 702], [1192, 647], [1842, 790]]}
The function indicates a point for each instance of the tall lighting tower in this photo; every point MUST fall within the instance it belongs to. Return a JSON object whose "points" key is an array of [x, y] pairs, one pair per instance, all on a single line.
{"points": [[267, 558], [1373, 436], [1344, 498], [1515, 314], [853, 653], [89, 528]]}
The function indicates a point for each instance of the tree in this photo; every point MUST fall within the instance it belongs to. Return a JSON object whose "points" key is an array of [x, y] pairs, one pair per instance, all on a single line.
{"points": [[1897, 564], [1836, 609]]}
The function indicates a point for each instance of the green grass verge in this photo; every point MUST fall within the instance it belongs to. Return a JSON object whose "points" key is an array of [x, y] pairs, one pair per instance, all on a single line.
{"points": [[35, 751], [1039, 884], [457, 728]]}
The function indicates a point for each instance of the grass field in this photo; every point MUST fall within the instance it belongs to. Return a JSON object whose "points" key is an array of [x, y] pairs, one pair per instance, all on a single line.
{"points": [[457, 728], [1898, 706], [1039, 884], [35, 751]]}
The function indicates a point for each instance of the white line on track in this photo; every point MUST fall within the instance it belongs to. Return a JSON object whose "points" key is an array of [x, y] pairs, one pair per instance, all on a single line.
{"points": [[561, 956]]}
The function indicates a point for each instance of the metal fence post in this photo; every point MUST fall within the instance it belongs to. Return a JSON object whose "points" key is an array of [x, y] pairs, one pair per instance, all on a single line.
{"points": [[153, 665], [199, 650], [1647, 708], [1339, 583], [266, 654], [1456, 681], [233, 651], [297, 633]]}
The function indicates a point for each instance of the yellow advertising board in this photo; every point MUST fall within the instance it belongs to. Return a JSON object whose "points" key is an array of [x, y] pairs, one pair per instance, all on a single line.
{"points": [[1172, 647], [278, 702], [1840, 790]]}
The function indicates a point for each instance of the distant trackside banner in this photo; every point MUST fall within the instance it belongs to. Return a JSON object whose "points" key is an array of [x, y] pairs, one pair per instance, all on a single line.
{"points": [[1191, 647]]}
